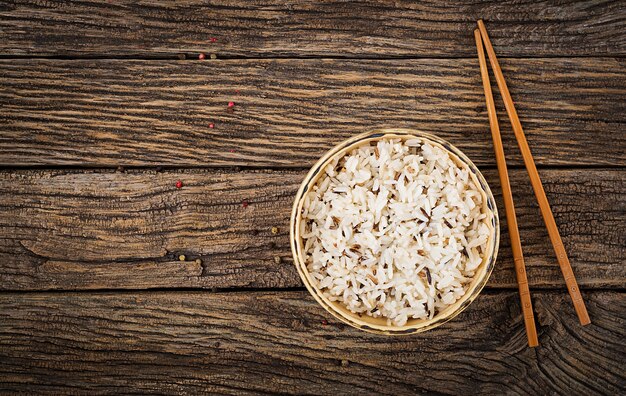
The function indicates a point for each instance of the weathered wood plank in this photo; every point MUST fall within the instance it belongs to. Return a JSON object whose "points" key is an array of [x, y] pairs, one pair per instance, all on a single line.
{"points": [[288, 112], [276, 342], [304, 28], [101, 229]]}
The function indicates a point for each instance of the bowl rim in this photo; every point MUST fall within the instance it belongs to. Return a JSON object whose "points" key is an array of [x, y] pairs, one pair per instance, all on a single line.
{"points": [[366, 323]]}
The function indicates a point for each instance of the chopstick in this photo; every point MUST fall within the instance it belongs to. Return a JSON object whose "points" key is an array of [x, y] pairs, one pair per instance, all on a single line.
{"points": [[511, 219], [544, 206]]}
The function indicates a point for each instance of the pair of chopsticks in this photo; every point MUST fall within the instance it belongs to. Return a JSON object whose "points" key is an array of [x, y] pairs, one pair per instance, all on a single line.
{"points": [[481, 37]]}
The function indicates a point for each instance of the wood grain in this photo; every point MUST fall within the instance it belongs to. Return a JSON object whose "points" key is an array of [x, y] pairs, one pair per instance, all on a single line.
{"points": [[303, 28], [80, 247], [240, 343], [63, 229], [289, 112]]}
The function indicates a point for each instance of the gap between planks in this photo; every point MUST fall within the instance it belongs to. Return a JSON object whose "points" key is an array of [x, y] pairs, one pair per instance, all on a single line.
{"points": [[488, 290], [194, 57]]}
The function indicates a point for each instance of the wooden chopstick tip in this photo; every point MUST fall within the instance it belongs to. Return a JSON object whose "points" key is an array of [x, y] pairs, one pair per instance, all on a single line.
{"points": [[477, 38]]}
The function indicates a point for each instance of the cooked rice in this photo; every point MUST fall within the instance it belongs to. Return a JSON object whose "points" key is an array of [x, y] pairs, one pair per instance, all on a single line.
{"points": [[394, 230]]}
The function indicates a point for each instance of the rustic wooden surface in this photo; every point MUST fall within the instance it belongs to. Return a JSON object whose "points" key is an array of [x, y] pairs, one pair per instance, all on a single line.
{"points": [[127, 230], [304, 28], [93, 298], [282, 341], [288, 112]]}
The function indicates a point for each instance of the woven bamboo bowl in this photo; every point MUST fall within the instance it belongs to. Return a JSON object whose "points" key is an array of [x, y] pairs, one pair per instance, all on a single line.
{"points": [[379, 325]]}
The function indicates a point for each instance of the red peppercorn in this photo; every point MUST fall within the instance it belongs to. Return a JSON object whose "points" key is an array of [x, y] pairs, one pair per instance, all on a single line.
{"points": [[211, 125], [231, 104], [213, 39], [244, 204], [179, 184], [201, 56], [325, 322]]}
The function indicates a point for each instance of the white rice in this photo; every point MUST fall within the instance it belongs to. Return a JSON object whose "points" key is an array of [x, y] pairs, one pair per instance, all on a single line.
{"points": [[394, 230]]}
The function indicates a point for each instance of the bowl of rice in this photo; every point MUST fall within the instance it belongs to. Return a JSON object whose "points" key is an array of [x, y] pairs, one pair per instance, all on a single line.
{"points": [[394, 231]]}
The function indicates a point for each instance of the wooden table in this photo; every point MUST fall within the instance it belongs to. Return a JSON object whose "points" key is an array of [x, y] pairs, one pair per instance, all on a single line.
{"points": [[104, 107]]}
